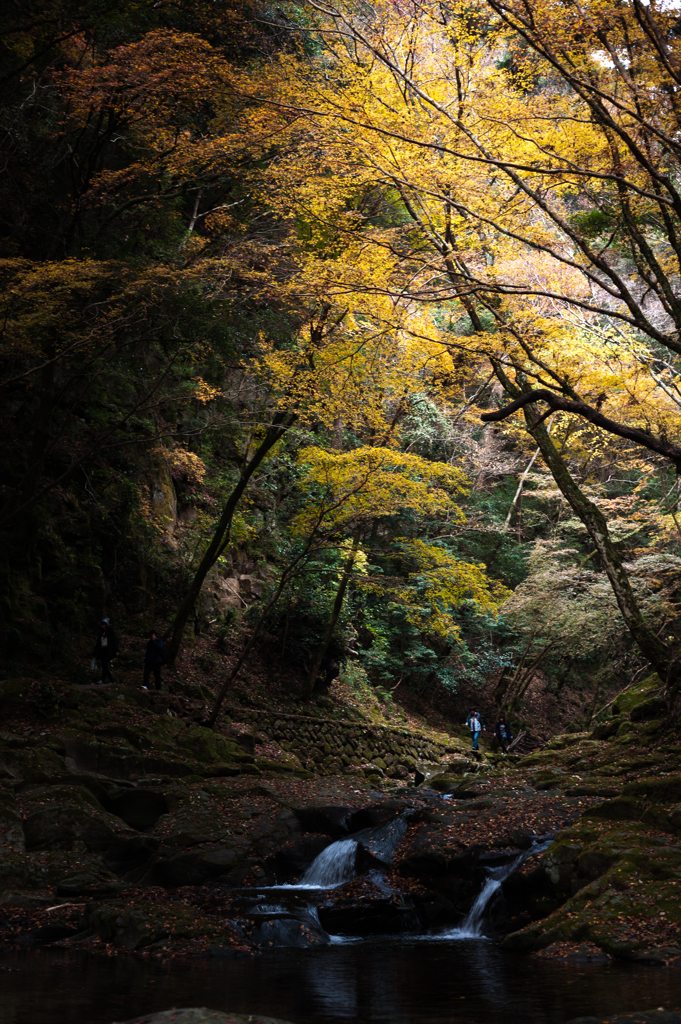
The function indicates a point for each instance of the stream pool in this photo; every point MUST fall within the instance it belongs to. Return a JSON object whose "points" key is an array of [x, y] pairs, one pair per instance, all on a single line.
{"points": [[379, 980]]}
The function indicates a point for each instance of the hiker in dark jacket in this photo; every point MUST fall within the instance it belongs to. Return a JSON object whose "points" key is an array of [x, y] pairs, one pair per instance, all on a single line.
{"points": [[106, 649], [153, 659], [502, 731]]}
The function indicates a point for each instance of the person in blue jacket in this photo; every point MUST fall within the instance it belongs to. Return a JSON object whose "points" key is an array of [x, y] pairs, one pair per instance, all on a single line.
{"points": [[476, 725], [153, 659]]}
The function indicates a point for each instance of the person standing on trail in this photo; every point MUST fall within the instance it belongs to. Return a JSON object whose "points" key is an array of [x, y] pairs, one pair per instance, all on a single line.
{"points": [[502, 731], [476, 726], [106, 649], [153, 659]]}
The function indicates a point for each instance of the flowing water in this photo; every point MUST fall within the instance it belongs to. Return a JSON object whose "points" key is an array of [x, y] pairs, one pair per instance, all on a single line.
{"points": [[472, 925], [449, 978], [333, 866], [377, 981]]}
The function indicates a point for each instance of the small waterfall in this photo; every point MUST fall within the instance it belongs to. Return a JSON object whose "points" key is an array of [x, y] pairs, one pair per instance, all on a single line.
{"points": [[471, 926], [334, 865]]}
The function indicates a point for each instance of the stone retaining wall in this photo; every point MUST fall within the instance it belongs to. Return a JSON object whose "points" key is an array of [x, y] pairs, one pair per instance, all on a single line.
{"points": [[335, 745]]}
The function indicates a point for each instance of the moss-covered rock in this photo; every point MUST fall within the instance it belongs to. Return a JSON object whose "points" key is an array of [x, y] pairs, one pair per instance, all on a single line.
{"points": [[653, 708], [134, 926], [33, 765], [568, 739], [631, 905], [445, 783], [604, 730], [660, 789], [635, 695], [668, 819], [59, 817], [207, 746], [620, 808], [26, 871]]}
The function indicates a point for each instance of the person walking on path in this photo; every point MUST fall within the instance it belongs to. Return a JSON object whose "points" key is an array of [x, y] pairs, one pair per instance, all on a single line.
{"points": [[502, 731], [476, 726], [153, 659], [106, 649]]}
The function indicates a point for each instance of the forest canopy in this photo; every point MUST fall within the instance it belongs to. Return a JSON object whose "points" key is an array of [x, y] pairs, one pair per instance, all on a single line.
{"points": [[378, 302]]}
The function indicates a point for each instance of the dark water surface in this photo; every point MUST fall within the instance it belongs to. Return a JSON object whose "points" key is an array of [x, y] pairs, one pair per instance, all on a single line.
{"points": [[381, 980]]}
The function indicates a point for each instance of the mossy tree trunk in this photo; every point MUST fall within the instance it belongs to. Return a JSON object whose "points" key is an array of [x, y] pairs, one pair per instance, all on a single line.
{"points": [[652, 648]]}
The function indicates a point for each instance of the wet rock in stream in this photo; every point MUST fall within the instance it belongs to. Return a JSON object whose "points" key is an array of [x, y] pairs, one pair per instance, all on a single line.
{"points": [[369, 905], [200, 1015]]}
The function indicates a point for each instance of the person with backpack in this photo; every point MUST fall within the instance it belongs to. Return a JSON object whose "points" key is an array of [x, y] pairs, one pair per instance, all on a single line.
{"points": [[502, 731], [106, 649], [153, 659], [476, 726]]}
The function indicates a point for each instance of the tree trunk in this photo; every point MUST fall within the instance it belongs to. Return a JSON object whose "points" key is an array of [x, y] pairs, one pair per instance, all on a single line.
{"points": [[277, 428], [285, 578], [656, 652], [517, 500], [335, 612], [508, 680], [524, 682], [222, 693]]}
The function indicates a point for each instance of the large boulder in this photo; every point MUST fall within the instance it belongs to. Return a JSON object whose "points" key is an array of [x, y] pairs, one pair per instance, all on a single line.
{"points": [[654, 707], [376, 814], [368, 905], [60, 816], [624, 885], [379, 844], [639, 693], [121, 759], [34, 765], [280, 930], [27, 871], [195, 1015]]}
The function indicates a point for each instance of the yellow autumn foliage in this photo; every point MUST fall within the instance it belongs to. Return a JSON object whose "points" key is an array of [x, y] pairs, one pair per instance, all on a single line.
{"points": [[440, 583], [349, 489]]}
